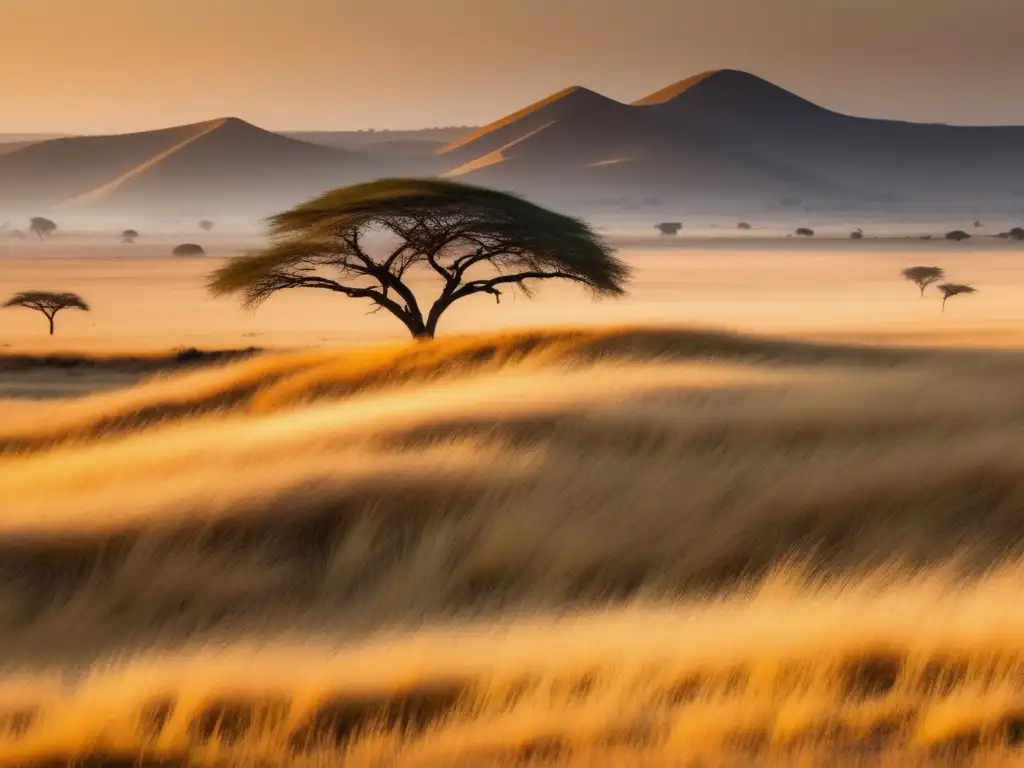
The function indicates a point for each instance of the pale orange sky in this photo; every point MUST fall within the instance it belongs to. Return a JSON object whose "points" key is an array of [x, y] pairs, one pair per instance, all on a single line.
{"points": [[119, 65]]}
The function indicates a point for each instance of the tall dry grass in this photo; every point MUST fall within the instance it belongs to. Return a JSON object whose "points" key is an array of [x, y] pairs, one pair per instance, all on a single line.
{"points": [[573, 546]]}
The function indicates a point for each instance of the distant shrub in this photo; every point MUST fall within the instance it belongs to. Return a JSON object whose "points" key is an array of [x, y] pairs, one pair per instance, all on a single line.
{"points": [[743, 225], [805, 232], [669, 227], [188, 354], [957, 235], [857, 235], [129, 236], [1017, 233], [189, 249], [42, 227], [206, 225]]}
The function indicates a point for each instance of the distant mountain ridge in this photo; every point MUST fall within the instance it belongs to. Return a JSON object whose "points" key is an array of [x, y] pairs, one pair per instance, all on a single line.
{"points": [[731, 138], [723, 139]]}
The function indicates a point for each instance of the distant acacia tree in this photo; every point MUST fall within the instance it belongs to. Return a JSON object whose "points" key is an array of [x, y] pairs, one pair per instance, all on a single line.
{"points": [[473, 240], [188, 249], [1017, 233], [743, 225], [857, 234], [41, 227], [805, 232], [977, 224], [923, 276], [669, 227], [48, 303], [129, 236], [958, 235], [206, 225], [954, 289]]}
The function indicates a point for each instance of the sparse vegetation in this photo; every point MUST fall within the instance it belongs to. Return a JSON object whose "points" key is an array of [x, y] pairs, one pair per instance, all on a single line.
{"points": [[954, 289], [48, 303], [669, 227], [805, 232], [188, 249], [957, 235], [129, 236], [923, 276], [453, 230], [42, 227], [206, 225]]}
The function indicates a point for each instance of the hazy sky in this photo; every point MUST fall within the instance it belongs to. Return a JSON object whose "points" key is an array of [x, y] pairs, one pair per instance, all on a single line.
{"points": [[120, 65]]}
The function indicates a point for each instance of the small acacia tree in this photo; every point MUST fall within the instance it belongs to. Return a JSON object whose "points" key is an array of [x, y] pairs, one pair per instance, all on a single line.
{"points": [[48, 303], [954, 289], [1017, 233], [129, 236], [669, 227], [957, 235], [206, 225], [41, 227], [805, 232], [473, 240], [923, 276]]}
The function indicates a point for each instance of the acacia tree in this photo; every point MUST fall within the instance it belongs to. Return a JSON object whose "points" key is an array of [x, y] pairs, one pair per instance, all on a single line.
{"points": [[954, 289], [1017, 233], [957, 235], [473, 240], [206, 225], [669, 227], [923, 276], [48, 303], [129, 236], [41, 227]]}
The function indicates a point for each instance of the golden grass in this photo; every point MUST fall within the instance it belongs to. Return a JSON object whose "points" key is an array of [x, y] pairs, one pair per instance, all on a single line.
{"points": [[620, 546]]}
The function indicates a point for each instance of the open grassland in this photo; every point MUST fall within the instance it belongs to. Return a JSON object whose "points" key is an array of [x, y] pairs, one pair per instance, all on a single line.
{"points": [[585, 546]]}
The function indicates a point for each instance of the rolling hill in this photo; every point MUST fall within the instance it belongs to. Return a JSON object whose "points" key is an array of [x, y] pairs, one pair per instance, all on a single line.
{"points": [[218, 166], [731, 137], [719, 141]]}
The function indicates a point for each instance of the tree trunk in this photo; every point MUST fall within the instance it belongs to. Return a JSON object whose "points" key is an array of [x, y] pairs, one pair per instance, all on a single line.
{"points": [[943, 303], [418, 329], [922, 290], [51, 324]]}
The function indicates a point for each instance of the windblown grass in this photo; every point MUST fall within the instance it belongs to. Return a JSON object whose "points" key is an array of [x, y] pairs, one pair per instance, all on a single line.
{"points": [[587, 547]]}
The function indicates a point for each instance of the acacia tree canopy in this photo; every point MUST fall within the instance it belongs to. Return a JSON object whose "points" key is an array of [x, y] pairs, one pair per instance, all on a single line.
{"points": [[954, 289], [923, 276], [474, 240], [47, 302]]}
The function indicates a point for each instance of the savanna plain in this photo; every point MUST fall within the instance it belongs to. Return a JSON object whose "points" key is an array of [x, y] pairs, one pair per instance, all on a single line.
{"points": [[767, 509]]}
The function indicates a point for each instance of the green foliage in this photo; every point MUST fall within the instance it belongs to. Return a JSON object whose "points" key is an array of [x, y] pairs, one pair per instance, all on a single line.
{"points": [[475, 240]]}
